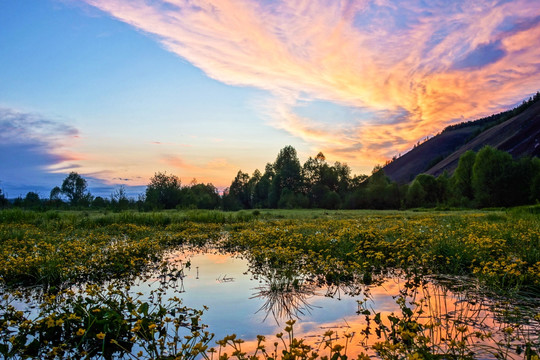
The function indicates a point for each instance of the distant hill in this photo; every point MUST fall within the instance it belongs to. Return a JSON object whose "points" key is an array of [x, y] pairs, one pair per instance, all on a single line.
{"points": [[516, 131]]}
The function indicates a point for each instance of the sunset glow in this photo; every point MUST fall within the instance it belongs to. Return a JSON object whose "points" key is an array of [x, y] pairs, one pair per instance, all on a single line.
{"points": [[118, 90]]}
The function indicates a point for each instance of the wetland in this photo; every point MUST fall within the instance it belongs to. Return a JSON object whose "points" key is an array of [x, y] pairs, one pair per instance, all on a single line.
{"points": [[276, 284]]}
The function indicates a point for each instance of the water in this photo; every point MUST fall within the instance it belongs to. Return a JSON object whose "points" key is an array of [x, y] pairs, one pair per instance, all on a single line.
{"points": [[247, 302]]}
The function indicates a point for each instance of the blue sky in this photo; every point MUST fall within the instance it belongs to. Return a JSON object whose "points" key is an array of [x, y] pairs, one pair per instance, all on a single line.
{"points": [[118, 90]]}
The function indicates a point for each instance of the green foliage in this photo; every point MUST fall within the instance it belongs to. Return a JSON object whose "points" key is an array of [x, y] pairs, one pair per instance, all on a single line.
{"points": [[74, 187], [331, 200], [32, 201], [97, 322], [462, 178], [55, 200], [241, 190], [292, 200], [430, 187], [163, 191], [287, 176], [203, 196], [415, 195], [4, 203], [492, 176], [535, 182]]}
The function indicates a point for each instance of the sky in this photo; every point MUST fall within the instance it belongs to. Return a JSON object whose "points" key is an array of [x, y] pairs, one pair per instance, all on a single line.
{"points": [[118, 90]]}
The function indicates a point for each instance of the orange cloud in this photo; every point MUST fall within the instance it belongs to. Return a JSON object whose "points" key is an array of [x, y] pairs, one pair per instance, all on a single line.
{"points": [[179, 163], [431, 65]]}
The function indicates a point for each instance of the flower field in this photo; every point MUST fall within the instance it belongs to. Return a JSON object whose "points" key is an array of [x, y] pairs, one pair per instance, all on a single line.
{"points": [[77, 269]]}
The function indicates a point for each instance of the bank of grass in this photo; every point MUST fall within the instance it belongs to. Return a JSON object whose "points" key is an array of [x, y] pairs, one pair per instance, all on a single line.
{"points": [[499, 247]]}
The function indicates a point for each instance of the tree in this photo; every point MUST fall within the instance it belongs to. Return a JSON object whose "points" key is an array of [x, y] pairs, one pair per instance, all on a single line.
{"points": [[431, 188], [262, 188], [55, 194], [379, 191], [31, 200], [443, 188], [312, 169], [201, 196], [493, 171], [462, 178], [343, 172], [521, 181], [331, 200], [163, 191], [535, 179], [119, 199], [74, 188], [287, 176], [55, 199], [3, 201], [99, 203], [416, 194], [240, 189]]}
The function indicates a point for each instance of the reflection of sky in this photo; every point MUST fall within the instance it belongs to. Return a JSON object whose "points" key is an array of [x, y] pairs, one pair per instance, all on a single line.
{"points": [[234, 309]]}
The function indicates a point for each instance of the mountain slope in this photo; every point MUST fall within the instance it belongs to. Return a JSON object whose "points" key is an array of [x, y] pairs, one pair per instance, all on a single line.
{"points": [[519, 135]]}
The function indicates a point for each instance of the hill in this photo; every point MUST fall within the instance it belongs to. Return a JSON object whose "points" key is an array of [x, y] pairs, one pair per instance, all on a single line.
{"points": [[516, 131]]}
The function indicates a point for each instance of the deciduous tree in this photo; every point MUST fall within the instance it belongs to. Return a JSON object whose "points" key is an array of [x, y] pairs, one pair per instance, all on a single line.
{"points": [[163, 191], [74, 188]]}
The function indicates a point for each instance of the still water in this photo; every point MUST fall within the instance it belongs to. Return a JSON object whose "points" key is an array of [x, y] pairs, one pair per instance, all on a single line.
{"points": [[247, 303]]}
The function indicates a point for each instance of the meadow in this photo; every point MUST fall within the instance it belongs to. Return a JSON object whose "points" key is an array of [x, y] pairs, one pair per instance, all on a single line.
{"points": [[76, 270]]}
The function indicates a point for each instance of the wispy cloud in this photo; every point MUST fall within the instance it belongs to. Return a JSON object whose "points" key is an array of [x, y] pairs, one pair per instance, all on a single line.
{"points": [[20, 127], [35, 137], [419, 65], [31, 146], [179, 163]]}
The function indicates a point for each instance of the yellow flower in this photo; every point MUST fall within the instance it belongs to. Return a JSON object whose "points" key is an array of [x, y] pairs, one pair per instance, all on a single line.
{"points": [[80, 332], [100, 336]]}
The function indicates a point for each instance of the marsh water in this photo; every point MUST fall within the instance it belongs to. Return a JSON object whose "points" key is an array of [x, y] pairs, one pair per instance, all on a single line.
{"points": [[248, 301]]}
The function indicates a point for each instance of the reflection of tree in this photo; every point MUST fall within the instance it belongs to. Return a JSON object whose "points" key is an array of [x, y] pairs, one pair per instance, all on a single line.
{"points": [[353, 286], [449, 318], [491, 325], [286, 294], [288, 286]]}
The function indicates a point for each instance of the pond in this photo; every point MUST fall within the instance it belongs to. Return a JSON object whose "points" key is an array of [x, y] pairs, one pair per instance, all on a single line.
{"points": [[249, 300], [382, 314]]}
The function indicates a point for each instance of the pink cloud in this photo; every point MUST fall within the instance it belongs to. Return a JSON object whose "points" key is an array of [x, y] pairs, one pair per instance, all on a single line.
{"points": [[179, 163], [456, 60]]}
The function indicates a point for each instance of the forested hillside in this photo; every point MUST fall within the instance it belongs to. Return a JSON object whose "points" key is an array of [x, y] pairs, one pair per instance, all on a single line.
{"points": [[516, 131]]}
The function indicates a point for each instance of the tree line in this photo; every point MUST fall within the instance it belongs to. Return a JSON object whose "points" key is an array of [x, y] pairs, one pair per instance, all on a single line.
{"points": [[495, 119], [488, 178]]}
